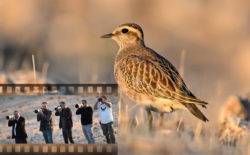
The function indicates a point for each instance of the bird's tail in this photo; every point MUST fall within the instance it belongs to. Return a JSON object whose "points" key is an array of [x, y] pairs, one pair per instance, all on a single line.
{"points": [[195, 111]]}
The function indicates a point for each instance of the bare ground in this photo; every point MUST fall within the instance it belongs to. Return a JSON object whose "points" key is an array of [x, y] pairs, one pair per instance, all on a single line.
{"points": [[27, 105]]}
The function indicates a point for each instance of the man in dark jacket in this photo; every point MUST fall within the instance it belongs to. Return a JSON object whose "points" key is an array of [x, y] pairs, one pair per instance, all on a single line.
{"points": [[86, 120], [46, 122], [65, 122], [18, 128]]}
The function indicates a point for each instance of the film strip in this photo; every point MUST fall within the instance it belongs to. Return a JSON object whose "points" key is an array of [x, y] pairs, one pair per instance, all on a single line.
{"points": [[58, 89], [56, 149]]}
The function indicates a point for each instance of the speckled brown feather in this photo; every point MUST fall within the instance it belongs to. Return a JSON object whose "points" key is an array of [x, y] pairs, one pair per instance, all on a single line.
{"points": [[145, 77]]}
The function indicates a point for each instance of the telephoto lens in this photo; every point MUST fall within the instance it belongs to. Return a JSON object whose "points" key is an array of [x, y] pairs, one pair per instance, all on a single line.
{"points": [[38, 110], [100, 99], [10, 117], [58, 108], [79, 105]]}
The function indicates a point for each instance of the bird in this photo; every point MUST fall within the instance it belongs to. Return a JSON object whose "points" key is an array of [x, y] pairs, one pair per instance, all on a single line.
{"points": [[148, 78]]}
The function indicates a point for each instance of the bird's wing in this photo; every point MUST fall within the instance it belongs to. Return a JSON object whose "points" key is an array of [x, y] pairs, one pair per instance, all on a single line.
{"points": [[160, 80]]}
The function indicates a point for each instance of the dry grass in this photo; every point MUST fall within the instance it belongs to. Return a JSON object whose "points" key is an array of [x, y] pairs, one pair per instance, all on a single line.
{"points": [[135, 138]]}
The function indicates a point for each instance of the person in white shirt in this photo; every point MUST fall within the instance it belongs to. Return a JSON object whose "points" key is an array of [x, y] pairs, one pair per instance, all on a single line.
{"points": [[18, 128], [106, 118]]}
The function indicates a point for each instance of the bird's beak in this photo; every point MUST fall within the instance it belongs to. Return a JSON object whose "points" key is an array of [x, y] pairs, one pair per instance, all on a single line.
{"points": [[107, 35]]}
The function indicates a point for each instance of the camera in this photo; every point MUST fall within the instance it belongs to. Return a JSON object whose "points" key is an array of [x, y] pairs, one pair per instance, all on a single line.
{"points": [[79, 105], [100, 99], [58, 108], [10, 117], [38, 110]]}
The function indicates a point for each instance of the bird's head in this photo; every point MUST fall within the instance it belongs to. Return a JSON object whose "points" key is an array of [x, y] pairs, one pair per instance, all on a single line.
{"points": [[127, 34]]}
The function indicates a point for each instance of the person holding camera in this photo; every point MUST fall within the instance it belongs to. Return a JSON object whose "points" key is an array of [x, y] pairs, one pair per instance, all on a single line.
{"points": [[45, 116], [86, 120], [106, 117], [65, 122], [18, 128]]}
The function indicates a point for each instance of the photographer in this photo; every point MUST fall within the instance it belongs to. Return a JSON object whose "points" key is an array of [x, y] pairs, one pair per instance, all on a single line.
{"points": [[106, 116], [45, 116], [86, 120], [18, 128], [65, 122]]}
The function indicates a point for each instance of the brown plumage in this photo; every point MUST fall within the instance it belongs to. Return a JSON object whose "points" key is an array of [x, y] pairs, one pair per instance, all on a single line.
{"points": [[147, 78]]}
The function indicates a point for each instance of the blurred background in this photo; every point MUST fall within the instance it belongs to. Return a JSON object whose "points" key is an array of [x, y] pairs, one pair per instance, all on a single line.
{"points": [[64, 37]]}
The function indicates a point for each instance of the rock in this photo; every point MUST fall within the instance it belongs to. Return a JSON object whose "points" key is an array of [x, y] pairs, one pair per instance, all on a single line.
{"points": [[21, 105], [9, 136], [237, 106], [5, 110], [233, 118]]}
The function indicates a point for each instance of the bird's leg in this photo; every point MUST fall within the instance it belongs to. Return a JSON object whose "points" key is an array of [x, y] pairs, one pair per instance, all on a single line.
{"points": [[161, 119], [150, 119]]}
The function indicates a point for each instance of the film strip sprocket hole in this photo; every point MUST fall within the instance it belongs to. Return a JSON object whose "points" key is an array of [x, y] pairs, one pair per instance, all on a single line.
{"points": [[58, 89], [104, 149]]}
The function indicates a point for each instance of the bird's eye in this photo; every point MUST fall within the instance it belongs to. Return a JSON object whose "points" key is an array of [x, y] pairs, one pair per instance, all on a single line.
{"points": [[124, 30]]}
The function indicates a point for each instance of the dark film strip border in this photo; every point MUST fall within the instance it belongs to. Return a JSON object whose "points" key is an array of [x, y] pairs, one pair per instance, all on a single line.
{"points": [[58, 89], [56, 149]]}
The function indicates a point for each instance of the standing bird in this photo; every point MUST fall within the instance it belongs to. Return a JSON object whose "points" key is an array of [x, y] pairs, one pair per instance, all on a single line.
{"points": [[148, 78]]}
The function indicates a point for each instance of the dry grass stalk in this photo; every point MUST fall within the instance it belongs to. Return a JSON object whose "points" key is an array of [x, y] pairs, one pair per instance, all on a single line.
{"points": [[126, 110], [133, 107], [119, 106], [136, 120], [34, 68], [181, 69], [198, 129], [142, 117], [238, 122], [178, 127]]}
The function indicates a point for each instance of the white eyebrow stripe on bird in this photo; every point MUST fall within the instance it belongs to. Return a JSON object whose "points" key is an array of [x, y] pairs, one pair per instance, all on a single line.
{"points": [[138, 32], [144, 77]]}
